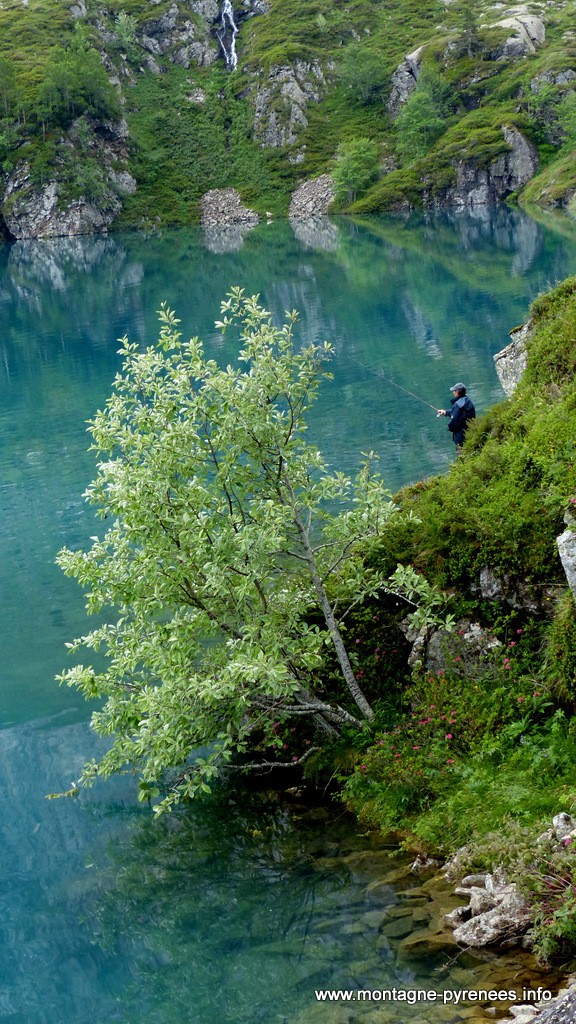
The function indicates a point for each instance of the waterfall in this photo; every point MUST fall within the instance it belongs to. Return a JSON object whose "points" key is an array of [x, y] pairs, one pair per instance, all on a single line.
{"points": [[227, 35]]}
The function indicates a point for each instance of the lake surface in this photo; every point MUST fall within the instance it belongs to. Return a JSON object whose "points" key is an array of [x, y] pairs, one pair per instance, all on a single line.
{"points": [[220, 915]]}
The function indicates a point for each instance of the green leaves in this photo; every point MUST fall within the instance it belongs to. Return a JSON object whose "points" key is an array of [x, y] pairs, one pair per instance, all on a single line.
{"points": [[232, 558]]}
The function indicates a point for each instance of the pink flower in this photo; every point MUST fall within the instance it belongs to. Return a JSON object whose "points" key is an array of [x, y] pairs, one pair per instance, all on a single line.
{"points": [[450, 761], [536, 693], [448, 736], [567, 841], [512, 643], [520, 699], [519, 631]]}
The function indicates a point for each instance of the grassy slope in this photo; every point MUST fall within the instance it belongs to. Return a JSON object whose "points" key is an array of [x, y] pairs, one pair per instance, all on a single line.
{"points": [[501, 506]]}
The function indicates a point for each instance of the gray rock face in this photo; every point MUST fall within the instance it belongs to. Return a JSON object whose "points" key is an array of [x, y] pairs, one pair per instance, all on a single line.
{"points": [[566, 543], [511, 361], [518, 595], [562, 1012], [486, 186], [404, 82], [280, 108], [182, 40], [436, 650], [32, 211]]}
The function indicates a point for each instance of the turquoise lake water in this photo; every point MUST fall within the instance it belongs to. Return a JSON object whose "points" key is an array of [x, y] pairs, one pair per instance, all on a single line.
{"points": [[229, 913]]}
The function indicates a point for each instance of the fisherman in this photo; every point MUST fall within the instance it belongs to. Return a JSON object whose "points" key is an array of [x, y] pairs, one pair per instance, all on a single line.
{"points": [[461, 412]]}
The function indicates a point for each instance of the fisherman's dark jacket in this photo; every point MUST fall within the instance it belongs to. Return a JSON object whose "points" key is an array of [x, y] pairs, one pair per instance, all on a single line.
{"points": [[462, 411]]}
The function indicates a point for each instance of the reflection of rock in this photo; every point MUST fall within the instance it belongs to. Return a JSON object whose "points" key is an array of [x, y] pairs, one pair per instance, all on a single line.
{"points": [[511, 361], [48, 262], [316, 233], [225, 237], [421, 328]]}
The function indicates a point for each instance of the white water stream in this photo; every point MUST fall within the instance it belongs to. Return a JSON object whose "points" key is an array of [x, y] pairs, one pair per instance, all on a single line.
{"points": [[227, 35]]}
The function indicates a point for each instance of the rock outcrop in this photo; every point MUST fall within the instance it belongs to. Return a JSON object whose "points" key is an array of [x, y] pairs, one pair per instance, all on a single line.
{"points": [[496, 912], [511, 361], [43, 211], [487, 186], [527, 34], [435, 650], [183, 40], [404, 81], [566, 544], [280, 105]]}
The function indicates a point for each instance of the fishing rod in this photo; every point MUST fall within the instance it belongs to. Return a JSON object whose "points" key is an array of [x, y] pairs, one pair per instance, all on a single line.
{"points": [[405, 390]]}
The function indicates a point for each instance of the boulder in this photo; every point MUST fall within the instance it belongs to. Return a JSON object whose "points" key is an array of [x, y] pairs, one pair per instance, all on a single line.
{"points": [[566, 544], [527, 34], [510, 918], [563, 825]]}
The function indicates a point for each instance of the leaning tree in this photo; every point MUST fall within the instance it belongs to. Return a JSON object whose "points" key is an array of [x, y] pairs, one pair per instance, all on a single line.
{"points": [[230, 560]]}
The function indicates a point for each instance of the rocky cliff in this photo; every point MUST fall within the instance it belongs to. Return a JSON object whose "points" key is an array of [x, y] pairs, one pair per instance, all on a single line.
{"points": [[258, 94]]}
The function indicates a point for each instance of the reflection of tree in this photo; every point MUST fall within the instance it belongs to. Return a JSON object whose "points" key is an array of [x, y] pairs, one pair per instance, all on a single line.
{"points": [[234, 909]]}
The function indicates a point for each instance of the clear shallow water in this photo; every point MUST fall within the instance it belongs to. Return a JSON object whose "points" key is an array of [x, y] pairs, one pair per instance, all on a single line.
{"points": [[91, 930]]}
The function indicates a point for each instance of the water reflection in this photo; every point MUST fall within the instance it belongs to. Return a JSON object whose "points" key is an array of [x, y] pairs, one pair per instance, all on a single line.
{"points": [[104, 916]]}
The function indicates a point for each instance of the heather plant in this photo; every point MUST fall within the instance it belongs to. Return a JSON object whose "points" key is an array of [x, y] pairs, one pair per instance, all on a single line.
{"points": [[448, 715]]}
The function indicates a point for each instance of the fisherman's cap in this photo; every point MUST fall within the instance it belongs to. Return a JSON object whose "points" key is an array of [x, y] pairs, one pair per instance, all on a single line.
{"points": [[458, 387]]}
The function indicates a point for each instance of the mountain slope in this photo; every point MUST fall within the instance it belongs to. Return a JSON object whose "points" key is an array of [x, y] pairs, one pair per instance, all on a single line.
{"points": [[128, 114]]}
